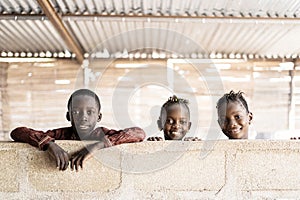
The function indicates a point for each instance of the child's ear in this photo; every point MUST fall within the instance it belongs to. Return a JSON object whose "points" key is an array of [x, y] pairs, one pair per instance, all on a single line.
{"points": [[68, 116], [159, 124], [250, 117], [99, 117], [190, 124], [219, 123]]}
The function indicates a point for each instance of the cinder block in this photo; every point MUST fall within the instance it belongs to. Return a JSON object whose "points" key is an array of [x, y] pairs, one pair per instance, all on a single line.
{"points": [[9, 170], [275, 194], [224, 169], [268, 170], [94, 177], [181, 171]]}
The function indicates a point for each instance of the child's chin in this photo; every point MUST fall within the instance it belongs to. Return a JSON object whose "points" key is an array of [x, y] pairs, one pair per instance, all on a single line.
{"points": [[239, 136], [176, 137], [83, 134]]}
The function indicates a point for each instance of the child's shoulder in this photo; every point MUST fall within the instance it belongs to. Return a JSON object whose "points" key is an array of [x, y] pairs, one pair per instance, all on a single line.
{"points": [[62, 129]]}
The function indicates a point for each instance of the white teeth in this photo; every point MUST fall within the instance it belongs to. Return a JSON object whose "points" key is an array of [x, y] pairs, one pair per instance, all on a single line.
{"points": [[175, 133], [235, 130], [83, 127]]}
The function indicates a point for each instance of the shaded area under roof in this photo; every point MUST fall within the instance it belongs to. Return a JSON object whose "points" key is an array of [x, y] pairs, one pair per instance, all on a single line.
{"points": [[192, 28]]}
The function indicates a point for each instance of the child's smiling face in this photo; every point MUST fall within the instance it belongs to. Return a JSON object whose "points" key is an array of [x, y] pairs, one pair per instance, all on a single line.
{"points": [[234, 120], [84, 114], [176, 122]]}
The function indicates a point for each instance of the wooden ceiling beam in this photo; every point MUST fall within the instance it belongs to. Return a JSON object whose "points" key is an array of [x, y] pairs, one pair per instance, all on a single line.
{"points": [[62, 30]]}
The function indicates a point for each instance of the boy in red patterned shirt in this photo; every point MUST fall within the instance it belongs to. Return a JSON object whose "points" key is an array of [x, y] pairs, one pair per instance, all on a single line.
{"points": [[83, 113]]}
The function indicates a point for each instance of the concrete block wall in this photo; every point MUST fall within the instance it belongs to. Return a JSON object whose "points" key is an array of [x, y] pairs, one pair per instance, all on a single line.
{"points": [[222, 169]]}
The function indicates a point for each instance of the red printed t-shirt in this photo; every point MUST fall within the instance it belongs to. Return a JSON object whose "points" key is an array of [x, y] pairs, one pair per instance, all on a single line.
{"points": [[110, 137]]}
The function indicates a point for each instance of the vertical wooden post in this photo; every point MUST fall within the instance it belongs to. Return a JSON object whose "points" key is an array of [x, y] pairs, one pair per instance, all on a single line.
{"points": [[4, 106], [291, 109]]}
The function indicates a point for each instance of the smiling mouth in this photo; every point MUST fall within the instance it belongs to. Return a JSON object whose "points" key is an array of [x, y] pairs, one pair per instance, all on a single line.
{"points": [[235, 131], [84, 127], [175, 133]]}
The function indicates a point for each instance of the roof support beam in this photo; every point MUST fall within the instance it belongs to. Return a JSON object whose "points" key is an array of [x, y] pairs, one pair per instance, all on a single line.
{"points": [[60, 27], [177, 19], [292, 102], [93, 17]]}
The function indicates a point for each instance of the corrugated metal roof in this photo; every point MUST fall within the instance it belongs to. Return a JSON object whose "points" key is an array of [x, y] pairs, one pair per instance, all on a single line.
{"points": [[268, 28], [30, 36], [223, 36], [267, 8]]}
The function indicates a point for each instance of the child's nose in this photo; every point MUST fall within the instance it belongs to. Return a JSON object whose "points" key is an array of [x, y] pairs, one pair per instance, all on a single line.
{"points": [[176, 125], [232, 123], [84, 116]]}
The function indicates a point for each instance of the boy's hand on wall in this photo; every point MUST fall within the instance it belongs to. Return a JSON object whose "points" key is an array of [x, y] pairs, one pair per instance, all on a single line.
{"points": [[192, 139], [60, 155], [84, 154], [155, 139], [295, 138]]}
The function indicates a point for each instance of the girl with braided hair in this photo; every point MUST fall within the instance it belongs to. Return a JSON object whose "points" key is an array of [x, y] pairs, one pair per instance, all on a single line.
{"points": [[174, 120], [234, 116]]}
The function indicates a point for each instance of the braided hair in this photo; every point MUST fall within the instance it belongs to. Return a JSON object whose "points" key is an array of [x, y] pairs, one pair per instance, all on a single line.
{"points": [[173, 100], [232, 97]]}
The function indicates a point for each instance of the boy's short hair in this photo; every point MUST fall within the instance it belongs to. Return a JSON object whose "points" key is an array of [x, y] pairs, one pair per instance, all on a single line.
{"points": [[232, 96], [84, 92]]}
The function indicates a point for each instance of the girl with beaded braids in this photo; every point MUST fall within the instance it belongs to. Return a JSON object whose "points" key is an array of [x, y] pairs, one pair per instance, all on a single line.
{"points": [[234, 116], [174, 120]]}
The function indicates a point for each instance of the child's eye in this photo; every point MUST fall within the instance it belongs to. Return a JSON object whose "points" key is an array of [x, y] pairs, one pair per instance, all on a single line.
{"points": [[238, 117], [183, 122], [75, 112], [169, 121], [89, 112]]}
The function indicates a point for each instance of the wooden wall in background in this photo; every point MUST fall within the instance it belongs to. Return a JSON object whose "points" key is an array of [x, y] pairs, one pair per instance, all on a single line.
{"points": [[38, 93], [4, 104], [131, 92]]}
